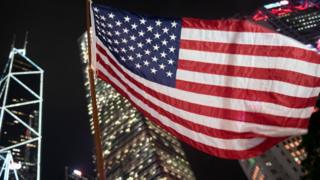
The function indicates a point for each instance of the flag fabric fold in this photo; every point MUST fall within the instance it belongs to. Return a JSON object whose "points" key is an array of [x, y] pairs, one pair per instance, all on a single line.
{"points": [[229, 88]]}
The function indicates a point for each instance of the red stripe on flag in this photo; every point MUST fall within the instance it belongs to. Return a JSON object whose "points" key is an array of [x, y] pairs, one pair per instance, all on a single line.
{"points": [[224, 25], [246, 94], [223, 153], [254, 50], [233, 115], [250, 72]]}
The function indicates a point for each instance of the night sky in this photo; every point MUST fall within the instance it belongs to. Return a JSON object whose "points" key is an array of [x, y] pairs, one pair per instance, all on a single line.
{"points": [[54, 27]]}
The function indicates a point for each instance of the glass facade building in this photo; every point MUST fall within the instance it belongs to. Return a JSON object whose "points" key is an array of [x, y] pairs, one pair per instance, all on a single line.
{"points": [[133, 147], [282, 162], [13, 134], [300, 21]]}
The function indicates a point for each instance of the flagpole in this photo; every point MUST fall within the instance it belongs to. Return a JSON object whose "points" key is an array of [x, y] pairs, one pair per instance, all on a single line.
{"points": [[97, 135]]}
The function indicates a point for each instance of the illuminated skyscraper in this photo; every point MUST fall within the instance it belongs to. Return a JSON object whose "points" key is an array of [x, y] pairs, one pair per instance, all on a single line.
{"points": [[20, 117], [298, 20], [282, 162], [302, 22], [133, 147]]}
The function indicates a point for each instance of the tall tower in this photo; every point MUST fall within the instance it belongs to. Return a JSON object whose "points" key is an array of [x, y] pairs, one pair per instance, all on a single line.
{"points": [[300, 21], [133, 147], [20, 117]]}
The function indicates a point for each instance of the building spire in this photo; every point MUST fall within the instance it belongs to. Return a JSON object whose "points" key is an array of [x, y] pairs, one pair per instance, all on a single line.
{"points": [[13, 41], [13, 44], [25, 42]]}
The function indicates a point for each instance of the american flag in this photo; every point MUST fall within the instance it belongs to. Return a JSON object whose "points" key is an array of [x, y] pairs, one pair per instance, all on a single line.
{"points": [[229, 88]]}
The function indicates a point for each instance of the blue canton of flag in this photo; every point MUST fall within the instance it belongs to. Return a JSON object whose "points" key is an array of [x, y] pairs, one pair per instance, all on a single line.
{"points": [[147, 47]]}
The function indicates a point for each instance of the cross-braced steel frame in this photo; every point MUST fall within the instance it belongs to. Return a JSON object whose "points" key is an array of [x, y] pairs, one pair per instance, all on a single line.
{"points": [[6, 107], [7, 165]]}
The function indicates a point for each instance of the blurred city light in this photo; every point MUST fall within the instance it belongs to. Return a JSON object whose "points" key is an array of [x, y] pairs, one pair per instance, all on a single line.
{"points": [[77, 172]]}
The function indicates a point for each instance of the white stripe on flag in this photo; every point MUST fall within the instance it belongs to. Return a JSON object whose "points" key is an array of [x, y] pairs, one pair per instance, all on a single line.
{"points": [[248, 83], [249, 38], [289, 64]]}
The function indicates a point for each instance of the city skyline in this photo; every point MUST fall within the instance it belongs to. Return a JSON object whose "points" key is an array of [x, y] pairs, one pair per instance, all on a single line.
{"points": [[54, 29]]}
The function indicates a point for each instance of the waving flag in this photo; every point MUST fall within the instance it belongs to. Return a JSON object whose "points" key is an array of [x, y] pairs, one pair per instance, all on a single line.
{"points": [[229, 88]]}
